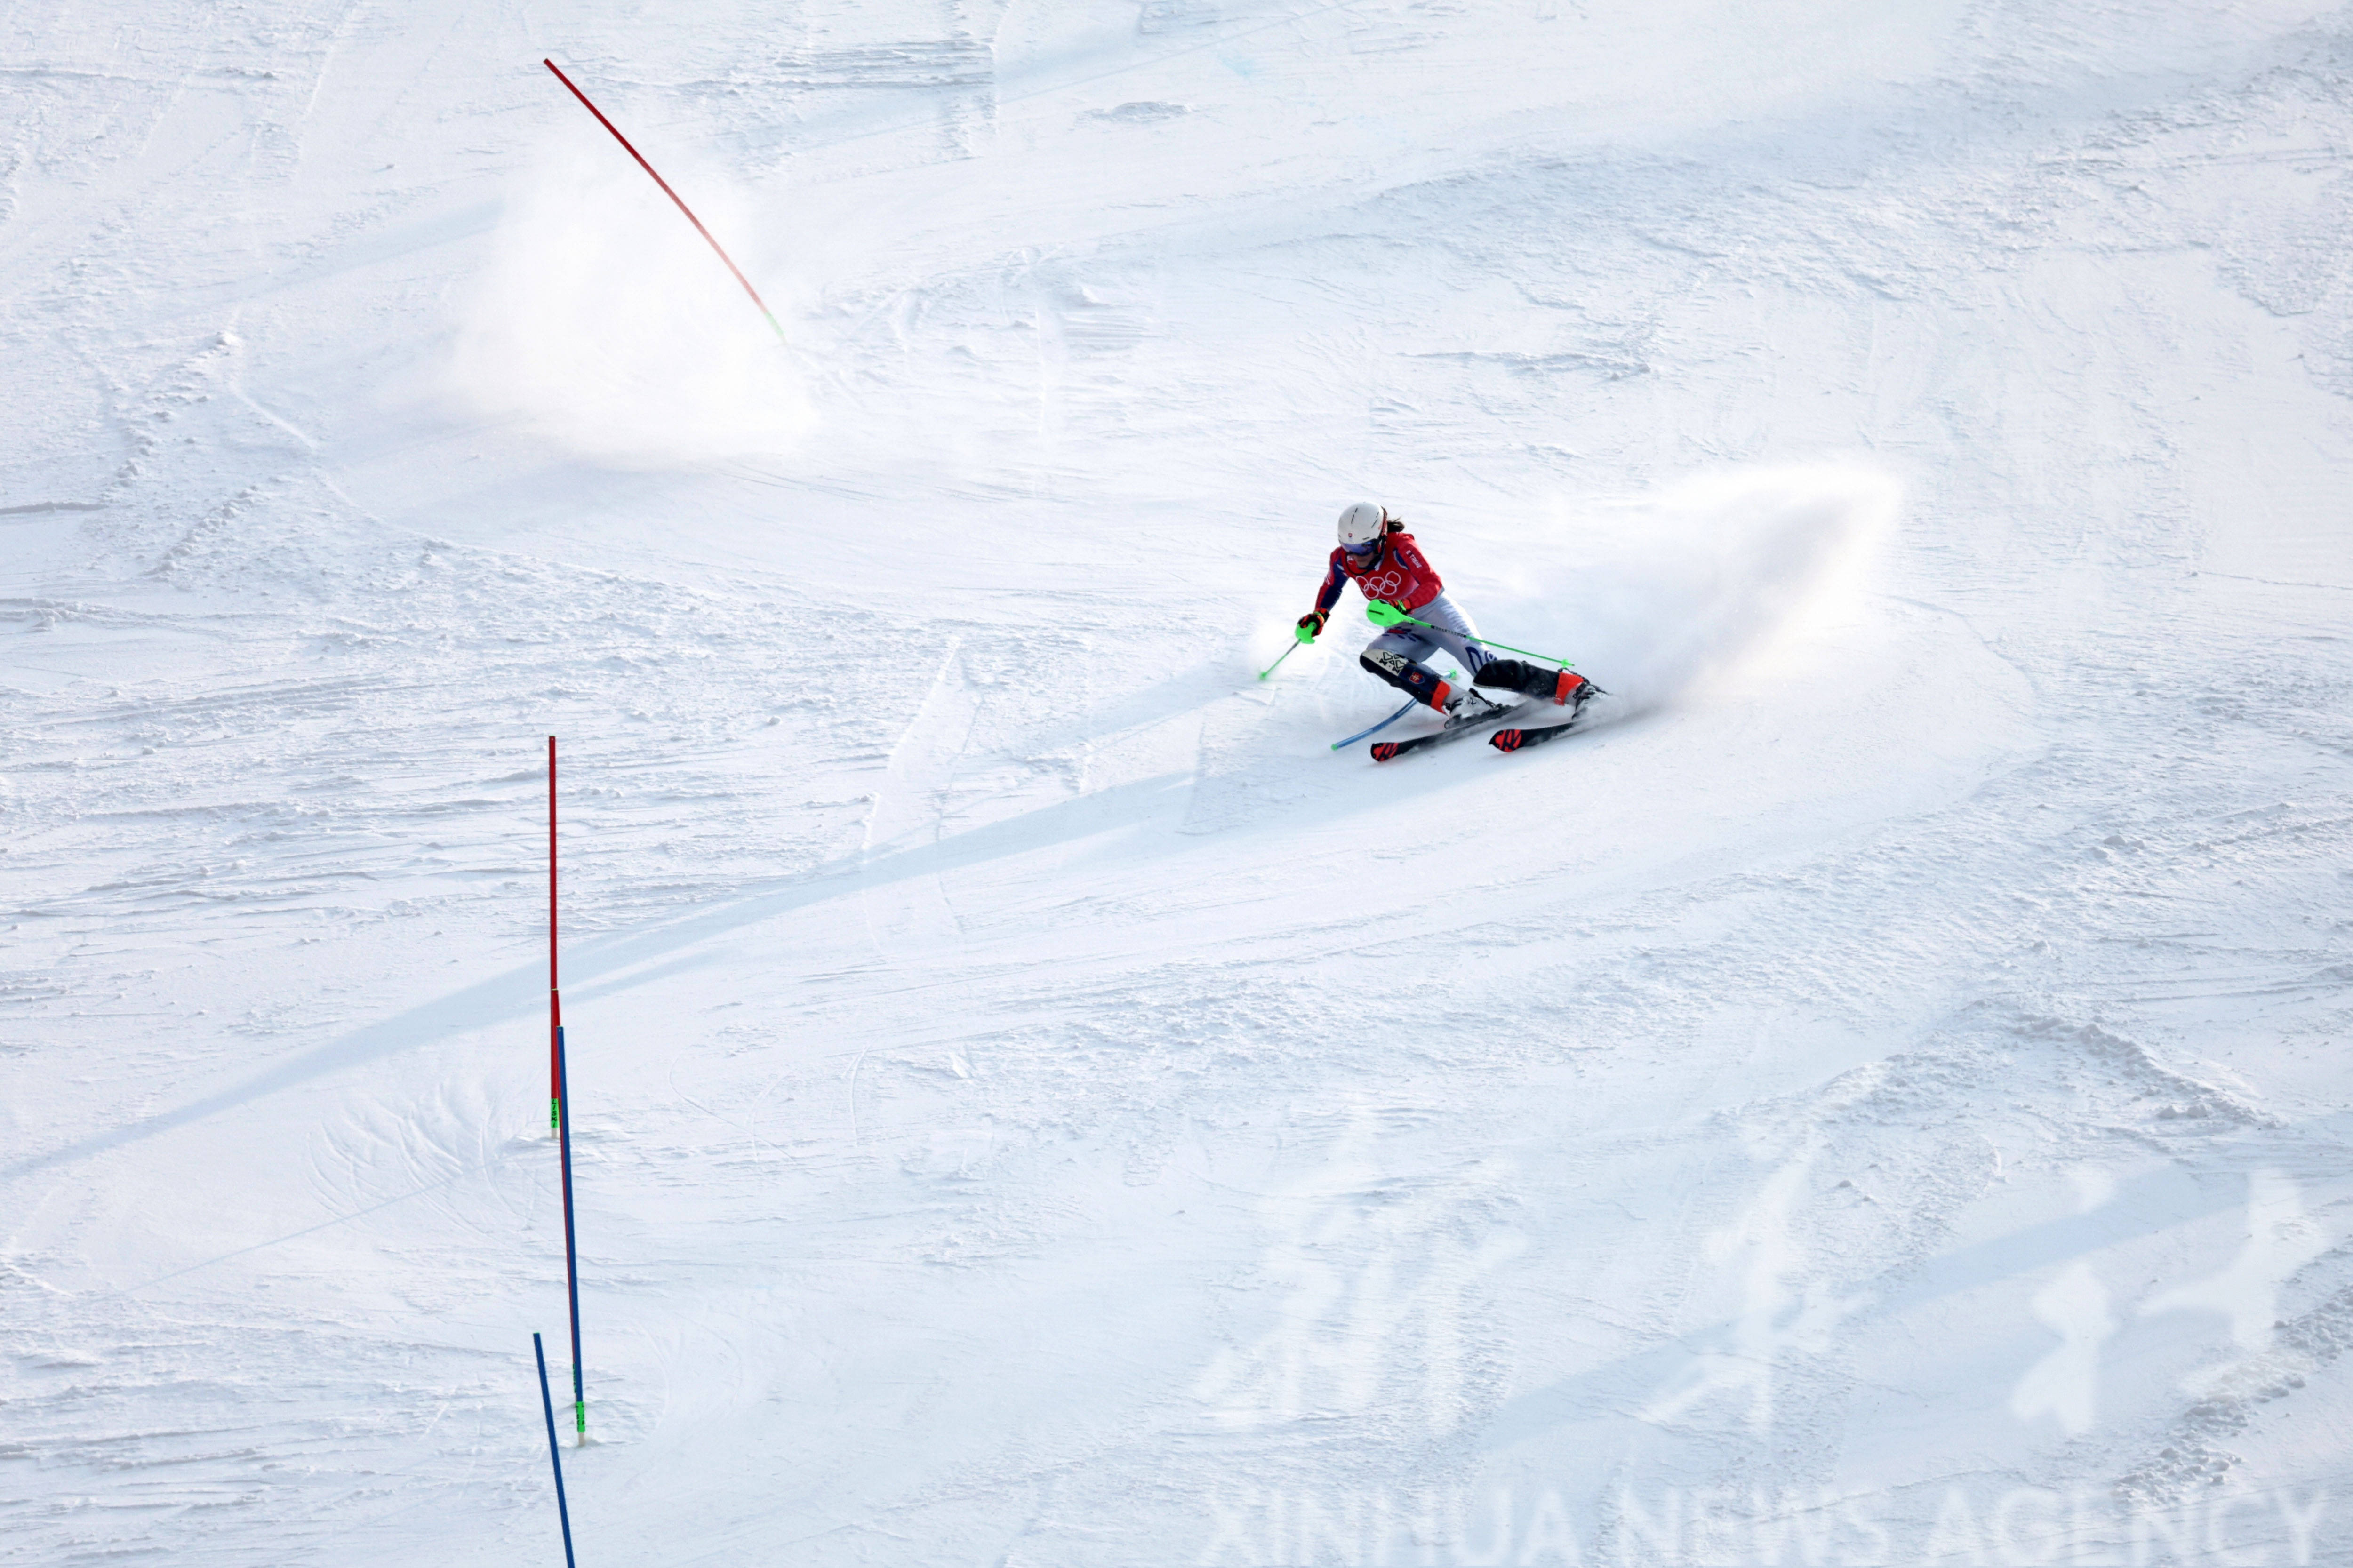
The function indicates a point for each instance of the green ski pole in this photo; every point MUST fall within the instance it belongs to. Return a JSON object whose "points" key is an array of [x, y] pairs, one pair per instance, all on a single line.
{"points": [[1384, 615]]}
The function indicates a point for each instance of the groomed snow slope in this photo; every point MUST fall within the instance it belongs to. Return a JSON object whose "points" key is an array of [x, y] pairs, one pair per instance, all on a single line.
{"points": [[1877, 1098]]}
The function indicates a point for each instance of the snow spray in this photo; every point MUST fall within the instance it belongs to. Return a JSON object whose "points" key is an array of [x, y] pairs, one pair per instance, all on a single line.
{"points": [[1666, 592], [560, 1109], [598, 323], [673, 196], [554, 1451]]}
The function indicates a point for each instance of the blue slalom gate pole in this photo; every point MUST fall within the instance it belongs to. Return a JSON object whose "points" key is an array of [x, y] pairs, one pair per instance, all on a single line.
{"points": [[559, 1105], [571, 1252], [554, 1452]]}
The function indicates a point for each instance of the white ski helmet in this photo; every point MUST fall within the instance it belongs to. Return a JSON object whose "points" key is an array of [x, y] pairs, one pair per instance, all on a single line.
{"points": [[1362, 524]]}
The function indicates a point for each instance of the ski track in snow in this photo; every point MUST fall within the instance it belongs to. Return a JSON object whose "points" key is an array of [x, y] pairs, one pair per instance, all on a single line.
{"points": [[1877, 1097]]}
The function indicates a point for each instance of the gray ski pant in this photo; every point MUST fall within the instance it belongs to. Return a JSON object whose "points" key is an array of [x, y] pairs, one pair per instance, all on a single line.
{"points": [[1449, 629]]}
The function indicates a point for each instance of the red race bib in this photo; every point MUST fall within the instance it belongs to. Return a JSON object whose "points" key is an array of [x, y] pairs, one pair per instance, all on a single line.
{"points": [[1397, 575]]}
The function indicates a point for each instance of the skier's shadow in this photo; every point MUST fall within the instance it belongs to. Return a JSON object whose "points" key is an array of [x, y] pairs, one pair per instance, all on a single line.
{"points": [[606, 963], [521, 991]]}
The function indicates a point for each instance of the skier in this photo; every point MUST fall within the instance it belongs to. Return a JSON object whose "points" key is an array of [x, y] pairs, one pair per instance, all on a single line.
{"points": [[1380, 557]]}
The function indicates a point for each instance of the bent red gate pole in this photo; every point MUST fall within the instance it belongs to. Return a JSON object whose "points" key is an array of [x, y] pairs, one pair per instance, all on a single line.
{"points": [[673, 196]]}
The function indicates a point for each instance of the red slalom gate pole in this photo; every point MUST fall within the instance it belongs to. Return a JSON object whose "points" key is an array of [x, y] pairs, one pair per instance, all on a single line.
{"points": [[673, 196]]}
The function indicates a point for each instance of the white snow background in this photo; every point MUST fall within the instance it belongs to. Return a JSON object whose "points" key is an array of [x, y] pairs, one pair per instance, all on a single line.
{"points": [[1879, 1097]]}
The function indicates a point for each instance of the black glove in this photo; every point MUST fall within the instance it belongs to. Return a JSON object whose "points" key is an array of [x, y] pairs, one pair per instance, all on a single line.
{"points": [[1310, 623]]}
